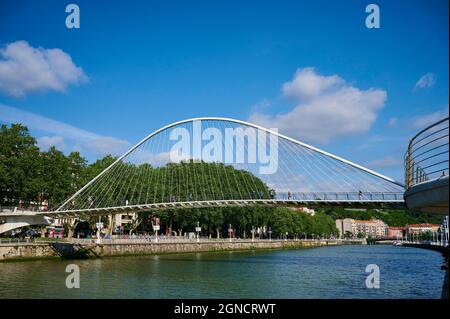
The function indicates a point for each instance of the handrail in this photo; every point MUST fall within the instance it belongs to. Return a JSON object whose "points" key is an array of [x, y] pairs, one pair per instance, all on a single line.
{"points": [[436, 151], [427, 128]]}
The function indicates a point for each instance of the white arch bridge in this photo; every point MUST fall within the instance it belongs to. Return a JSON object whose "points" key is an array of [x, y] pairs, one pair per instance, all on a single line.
{"points": [[220, 162], [214, 162]]}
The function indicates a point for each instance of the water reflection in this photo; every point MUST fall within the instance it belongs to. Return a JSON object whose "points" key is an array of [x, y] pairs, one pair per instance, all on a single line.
{"points": [[327, 272]]}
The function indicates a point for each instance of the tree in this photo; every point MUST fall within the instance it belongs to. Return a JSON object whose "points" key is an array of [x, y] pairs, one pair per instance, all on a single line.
{"points": [[394, 218], [282, 221], [30, 175], [212, 219], [58, 182], [135, 222], [78, 170], [18, 165], [96, 168]]}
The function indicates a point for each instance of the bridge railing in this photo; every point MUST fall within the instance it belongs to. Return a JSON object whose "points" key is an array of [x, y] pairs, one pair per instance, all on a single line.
{"points": [[340, 196], [16, 241], [175, 240], [427, 156], [16, 209]]}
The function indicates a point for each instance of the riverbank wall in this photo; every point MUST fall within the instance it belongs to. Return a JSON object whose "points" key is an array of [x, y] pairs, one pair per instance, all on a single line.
{"points": [[27, 251]]}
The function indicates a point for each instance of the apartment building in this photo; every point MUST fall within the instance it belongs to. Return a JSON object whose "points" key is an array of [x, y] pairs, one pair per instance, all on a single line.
{"points": [[416, 229], [368, 228]]}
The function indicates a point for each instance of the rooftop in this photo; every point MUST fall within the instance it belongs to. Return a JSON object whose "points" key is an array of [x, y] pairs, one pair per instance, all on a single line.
{"points": [[422, 225]]}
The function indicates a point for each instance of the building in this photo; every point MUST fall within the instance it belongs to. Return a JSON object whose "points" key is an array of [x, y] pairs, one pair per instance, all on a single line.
{"points": [[62, 221], [345, 227], [118, 222], [370, 228], [395, 232], [305, 210], [417, 229], [122, 220], [366, 228]]}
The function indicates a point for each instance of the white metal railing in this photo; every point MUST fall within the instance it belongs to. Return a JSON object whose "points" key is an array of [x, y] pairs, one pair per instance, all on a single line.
{"points": [[427, 156], [16, 209], [16, 241], [340, 196], [171, 240]]}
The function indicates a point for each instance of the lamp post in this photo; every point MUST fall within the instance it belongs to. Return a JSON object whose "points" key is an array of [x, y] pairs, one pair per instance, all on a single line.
{"points": [[198, 229], [156, 228], [230, 230], [99, 229], [270, 233]]}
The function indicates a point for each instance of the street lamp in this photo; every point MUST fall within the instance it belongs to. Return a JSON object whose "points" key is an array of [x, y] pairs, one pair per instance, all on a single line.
{"points": [[99, 229], [253, 233], [198, 229], [156, 228]]}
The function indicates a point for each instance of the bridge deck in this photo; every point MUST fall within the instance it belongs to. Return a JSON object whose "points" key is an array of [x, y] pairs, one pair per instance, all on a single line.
{"points": [[394, 204]]}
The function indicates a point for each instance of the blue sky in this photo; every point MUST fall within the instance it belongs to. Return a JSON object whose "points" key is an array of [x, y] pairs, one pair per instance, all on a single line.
{"points": [[138, 65]]}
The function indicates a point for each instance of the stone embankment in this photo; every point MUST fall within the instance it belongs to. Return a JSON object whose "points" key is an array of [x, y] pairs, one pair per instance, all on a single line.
{"points": [[92, 249]]}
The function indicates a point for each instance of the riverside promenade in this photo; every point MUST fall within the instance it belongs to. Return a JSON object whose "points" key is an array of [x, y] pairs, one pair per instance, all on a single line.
{"points": [[91, 248]]}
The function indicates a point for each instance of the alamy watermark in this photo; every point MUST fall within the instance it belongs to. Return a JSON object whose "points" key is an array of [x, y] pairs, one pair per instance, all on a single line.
{"points": [[73, 17], [373, 19], [373, 279], [73, 279], [237, 145]]}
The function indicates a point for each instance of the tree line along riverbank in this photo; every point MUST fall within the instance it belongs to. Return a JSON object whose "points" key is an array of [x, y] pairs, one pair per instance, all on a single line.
{"points": [[31, 176]]}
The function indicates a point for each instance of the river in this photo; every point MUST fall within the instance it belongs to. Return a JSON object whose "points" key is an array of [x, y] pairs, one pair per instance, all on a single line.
{"points": [[326, 272]]}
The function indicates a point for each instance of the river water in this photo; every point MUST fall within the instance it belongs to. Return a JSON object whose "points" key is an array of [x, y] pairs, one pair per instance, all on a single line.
{"points": [[326, 272]]}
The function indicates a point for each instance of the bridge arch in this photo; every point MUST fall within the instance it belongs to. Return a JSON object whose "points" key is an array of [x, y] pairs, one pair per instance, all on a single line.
{"points": [[172, 166]]}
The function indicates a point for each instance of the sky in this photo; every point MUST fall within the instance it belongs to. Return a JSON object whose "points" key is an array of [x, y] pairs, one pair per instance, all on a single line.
{"points": [[311, 69]]}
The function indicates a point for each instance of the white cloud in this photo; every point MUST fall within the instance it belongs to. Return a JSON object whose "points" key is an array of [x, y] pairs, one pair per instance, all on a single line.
{"points": [[104, 145], [326, 107], [307, 84], [392, 121], [388, 161], [261, 105], [425, 81], [372, 141], [24, 69], [423, 121], [45, 142], [96, 144]]}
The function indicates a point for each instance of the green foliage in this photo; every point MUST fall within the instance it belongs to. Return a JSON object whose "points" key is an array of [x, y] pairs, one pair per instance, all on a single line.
{"points": [[96, 168], [242, 219], [19, 160], [176, 182], [284, 220], [30, 175], [60, 177], [394, 218]]}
